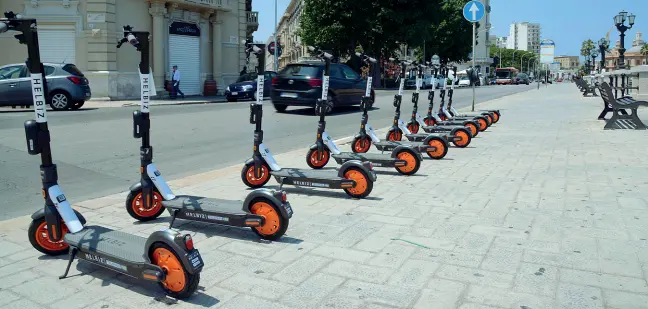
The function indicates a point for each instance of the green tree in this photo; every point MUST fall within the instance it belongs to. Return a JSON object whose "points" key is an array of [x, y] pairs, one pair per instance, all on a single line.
{"points": [[644, 52], [518, 59], [587, 47], [380, 26]]}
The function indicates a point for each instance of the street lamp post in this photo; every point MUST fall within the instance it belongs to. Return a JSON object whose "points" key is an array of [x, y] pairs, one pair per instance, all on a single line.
{"points": [[513, 61], [594, 55], [619, 22], [529, 64], [603, 44], [521, 61]]}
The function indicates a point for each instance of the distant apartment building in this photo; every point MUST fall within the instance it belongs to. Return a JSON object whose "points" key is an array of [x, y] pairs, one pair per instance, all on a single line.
{"points": [[524, 36], [501, 42], [568, 62], [288, 34]]}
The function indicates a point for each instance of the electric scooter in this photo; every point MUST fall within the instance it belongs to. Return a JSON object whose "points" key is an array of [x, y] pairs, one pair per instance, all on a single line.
{"points": [[404, 158], [436, 147], [166, 257], [494, 114], [436, 119], [266, 212], [398, 129], [416, 122], [445, 115], [356, 178]]}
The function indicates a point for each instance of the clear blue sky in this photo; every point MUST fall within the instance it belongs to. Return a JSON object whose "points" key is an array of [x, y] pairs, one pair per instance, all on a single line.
{"points": [[567, 22]]}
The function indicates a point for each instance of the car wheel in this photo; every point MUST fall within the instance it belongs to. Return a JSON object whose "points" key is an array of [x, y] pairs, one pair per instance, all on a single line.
{"points": [[280, 108], [77, 105], [60, 101], [331, 102]]}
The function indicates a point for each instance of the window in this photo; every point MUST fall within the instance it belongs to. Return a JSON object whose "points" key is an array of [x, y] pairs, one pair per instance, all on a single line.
{"points": [[349, 73], [49, 70], [336, 72], [11, 72]]}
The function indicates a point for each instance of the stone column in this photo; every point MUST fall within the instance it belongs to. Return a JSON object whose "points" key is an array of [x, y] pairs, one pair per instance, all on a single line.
{"points": [[217, 49], [205, 42], [158, 11]]}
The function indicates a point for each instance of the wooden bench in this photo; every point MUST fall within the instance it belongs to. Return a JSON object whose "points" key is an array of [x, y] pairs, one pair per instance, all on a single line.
{"points": [[620, 118], [585, 88]]}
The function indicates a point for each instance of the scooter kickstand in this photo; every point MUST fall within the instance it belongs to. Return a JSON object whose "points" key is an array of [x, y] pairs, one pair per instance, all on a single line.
{"points": [[73, 253], [281, 183], [173, 217]]}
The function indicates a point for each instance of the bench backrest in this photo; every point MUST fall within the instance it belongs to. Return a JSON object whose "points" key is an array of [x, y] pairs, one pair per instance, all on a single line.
{"points": [[606, 93]]}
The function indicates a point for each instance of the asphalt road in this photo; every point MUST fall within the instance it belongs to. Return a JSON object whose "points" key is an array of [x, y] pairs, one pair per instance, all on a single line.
{"points": [[97, 155]]}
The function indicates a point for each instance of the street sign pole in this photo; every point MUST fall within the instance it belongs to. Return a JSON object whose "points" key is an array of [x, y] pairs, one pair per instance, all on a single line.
{"points": [[473, 12], [276, 57], [473, 64]]}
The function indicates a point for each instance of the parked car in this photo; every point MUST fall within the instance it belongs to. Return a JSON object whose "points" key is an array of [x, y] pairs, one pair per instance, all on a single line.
{"points": [[245, 87], [426, 82], [521, 78], [67, 86], [464, 81], [300, 84]]}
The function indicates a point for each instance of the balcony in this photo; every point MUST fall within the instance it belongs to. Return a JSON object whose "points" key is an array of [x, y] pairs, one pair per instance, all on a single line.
{"points": [[252, 21], [219, 5]]}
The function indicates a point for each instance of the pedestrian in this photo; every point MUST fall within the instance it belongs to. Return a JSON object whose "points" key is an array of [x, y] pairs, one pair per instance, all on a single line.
{"points": [[176, 83]]}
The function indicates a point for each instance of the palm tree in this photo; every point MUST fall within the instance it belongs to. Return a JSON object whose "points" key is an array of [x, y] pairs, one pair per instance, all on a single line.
{"points": [[644, 52]]}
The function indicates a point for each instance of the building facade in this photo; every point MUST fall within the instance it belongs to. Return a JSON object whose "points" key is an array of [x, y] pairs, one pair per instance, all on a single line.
{"points": [[524, 36], [202, 37], [501, 42], [482, 50], [632, 55], [568, 62], [288, 34]]}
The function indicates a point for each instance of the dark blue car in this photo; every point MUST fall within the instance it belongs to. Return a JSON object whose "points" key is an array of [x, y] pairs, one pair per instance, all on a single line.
{"points": [[300, 84], [245, 87]]}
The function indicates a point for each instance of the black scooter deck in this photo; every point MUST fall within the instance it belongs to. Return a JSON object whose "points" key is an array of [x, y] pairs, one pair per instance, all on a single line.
{"points": [[213, 210], [312, 178], [111, 243], [440, 129], [378, 159], [419, 137], [199, 203], [390, 145]]}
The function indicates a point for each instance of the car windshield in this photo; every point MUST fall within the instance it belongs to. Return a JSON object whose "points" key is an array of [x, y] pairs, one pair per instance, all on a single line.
{"points": [[247, 77], [522, 75], [300, 70]]}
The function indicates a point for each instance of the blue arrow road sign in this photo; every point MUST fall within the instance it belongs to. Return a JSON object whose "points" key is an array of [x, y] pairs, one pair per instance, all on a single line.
{"points": [[474, 11]]}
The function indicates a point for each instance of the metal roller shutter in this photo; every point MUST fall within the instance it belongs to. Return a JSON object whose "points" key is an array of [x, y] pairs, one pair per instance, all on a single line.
{"points": [[57, 45], [185, 53]]}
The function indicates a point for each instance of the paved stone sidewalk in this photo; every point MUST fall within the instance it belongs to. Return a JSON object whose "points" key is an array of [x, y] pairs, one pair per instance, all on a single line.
{"points": [[547, 210]]}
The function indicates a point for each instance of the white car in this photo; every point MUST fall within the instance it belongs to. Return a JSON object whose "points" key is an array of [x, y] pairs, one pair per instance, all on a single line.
{"points": [[464, 81]]}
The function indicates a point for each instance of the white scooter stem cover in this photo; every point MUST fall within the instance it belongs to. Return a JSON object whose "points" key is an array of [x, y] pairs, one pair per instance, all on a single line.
{"points": [[147, 90], [64, 209], [371, 133], [368, 89], [162, 186], [38, 97], [401, 87], [328, 141], [325, 87], [268, 158], [418, 84], [260, 82], [420, 120], [403, 127]]}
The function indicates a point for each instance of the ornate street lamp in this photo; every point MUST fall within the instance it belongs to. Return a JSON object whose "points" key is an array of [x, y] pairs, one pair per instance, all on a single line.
{"points": [[619, 22], [603, 45], [594, 55]]}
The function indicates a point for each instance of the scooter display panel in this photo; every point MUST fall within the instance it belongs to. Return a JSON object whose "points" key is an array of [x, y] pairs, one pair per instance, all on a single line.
{"points": [[120, 245], [200, 203]]}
